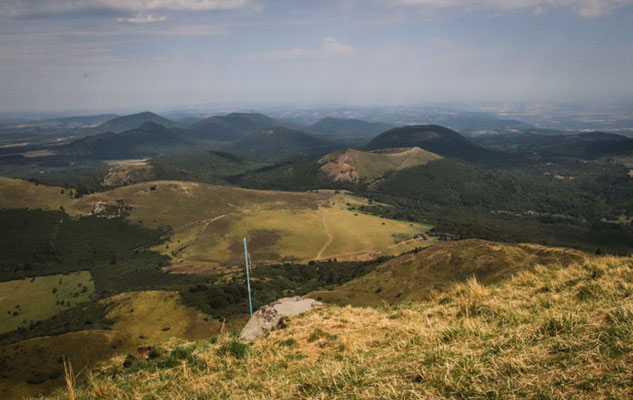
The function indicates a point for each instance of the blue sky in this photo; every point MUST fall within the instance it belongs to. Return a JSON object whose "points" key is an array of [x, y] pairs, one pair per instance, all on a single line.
{"points": [[148, 54]]}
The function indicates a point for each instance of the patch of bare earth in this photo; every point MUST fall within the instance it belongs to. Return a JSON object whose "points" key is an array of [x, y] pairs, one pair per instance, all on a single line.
{"points": [[342, 169]]}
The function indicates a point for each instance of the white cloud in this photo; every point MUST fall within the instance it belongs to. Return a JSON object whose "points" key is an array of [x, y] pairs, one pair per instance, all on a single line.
{"points": [[141, 19], [584, 8], [334, 46], [193, 5], [328, 45], [14, 8], [290, 54]]}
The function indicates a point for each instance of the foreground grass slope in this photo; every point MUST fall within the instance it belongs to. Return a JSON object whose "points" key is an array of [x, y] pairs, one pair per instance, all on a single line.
{"points": [[555, 332]]}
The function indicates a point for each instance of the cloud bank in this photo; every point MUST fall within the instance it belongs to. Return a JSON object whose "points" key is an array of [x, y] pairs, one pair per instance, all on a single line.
{"points": [[584, 8], [17, 8], [142, 19]]}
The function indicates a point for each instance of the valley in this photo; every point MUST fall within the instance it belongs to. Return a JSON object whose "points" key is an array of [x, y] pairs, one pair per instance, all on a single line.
{"points": [[129, 235]]}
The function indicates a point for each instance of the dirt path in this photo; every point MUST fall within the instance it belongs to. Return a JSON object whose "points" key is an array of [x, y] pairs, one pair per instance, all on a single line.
{"points": [[402, 164], [206, 224], [329, 241]]}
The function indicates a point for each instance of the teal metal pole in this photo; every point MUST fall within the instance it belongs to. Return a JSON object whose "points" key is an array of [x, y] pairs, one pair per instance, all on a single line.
{"points": [[248, 280]]}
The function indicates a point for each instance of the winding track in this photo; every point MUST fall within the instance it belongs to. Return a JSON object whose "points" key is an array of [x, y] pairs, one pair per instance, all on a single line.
{"points": [[329, 240]]}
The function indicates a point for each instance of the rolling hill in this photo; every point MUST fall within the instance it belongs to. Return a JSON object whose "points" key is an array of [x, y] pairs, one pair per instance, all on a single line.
{"points": [[423, 275], [198, 166], [147, 140], [436, 139], [133, 121], [231, 127], [280, 144], [586, 146], [355, 166], [342, 127], [208, 223]]}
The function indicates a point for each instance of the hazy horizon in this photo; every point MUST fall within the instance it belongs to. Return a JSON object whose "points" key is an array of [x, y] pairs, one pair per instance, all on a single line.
{"points": [[166, 54]]}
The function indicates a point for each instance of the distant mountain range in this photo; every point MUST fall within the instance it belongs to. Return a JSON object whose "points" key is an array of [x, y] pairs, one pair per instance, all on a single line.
{"points": [[341, 127], [261, 138]]}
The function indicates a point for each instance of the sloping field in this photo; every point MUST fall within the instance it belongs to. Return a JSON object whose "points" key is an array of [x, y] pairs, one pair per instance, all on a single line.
{"points": [[422, 275], [152, 317], [356, 166], [209, 222], [16, 193], [140, 318], [33, 299]]}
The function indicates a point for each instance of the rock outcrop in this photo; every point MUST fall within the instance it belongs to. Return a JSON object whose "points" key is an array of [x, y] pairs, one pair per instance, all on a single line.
{"points": [[267, 317]]}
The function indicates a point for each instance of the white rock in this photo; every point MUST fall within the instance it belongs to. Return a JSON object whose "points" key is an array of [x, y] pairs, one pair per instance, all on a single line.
{"points": [[269, 315]]}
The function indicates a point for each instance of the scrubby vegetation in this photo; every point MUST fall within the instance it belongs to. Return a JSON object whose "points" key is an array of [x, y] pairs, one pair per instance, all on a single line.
{"points": [[205, 166], [551, 333], [224, 299], [561, 203], [37, 242]]}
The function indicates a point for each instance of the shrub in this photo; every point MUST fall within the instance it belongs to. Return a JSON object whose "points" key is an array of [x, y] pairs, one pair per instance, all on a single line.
{"points": [[234, 348]]}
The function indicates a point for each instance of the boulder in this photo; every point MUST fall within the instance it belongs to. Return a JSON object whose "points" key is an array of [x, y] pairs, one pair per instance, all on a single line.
{"points": [[267, 317]]}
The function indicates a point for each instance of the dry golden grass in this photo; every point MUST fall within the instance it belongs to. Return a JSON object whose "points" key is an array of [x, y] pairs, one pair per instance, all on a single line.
{"points": [[550, 333]]}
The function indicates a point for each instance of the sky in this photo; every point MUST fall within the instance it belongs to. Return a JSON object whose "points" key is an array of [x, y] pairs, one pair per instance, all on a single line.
{"points": [[160, 54]]}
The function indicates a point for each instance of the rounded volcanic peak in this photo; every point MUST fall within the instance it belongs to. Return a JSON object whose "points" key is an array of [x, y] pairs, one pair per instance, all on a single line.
{"points": [[433, 138], [151, 127], [232, 126], [133, 121], [414, 136]]}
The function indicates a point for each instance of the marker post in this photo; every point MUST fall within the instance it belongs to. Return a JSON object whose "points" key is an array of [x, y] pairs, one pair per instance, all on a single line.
{"points": [[248, 280]]}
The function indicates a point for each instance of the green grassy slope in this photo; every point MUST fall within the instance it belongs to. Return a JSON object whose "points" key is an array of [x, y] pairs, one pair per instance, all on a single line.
{"points": [[208, 223], [25, 301], [137, 319], [16, 193], [420, 276]]}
